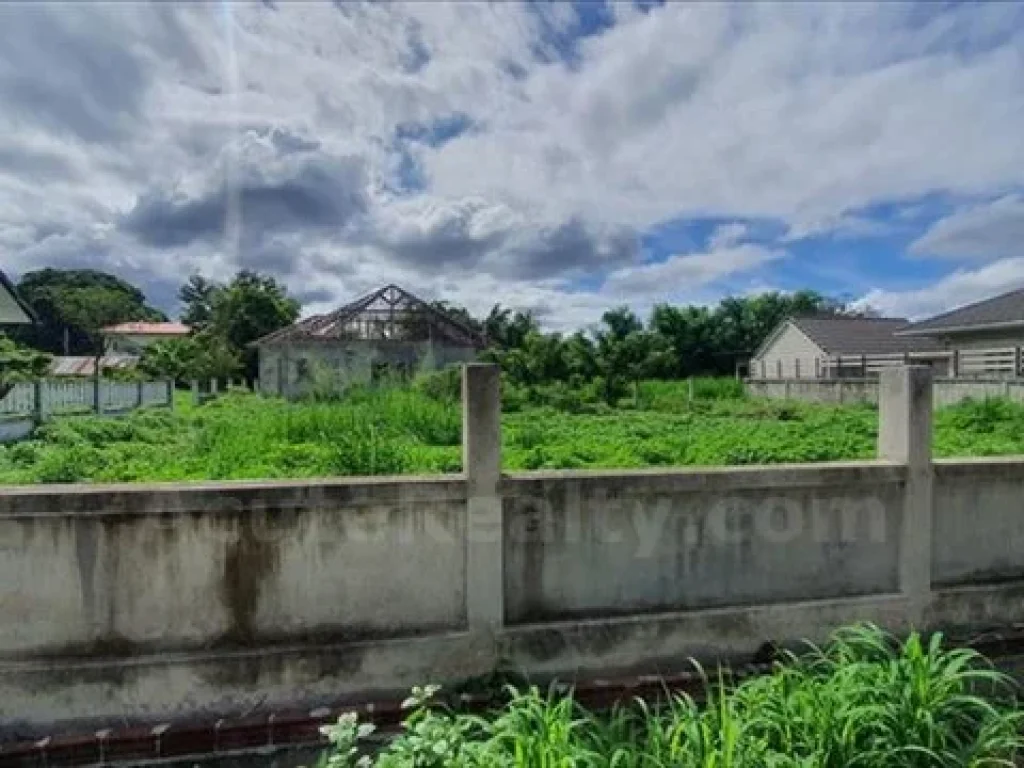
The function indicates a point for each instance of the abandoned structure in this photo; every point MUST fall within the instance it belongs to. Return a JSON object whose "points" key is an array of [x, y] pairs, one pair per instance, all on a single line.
{"points": [[388, 332]]}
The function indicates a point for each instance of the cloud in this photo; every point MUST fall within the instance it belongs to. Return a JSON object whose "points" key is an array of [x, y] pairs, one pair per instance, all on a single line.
{"points": [[259, 185], [955, 290], [493, 151], [683, 274], [992, 230]]}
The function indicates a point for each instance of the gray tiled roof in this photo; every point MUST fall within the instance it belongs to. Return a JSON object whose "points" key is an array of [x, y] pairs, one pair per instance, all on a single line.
{"points": [[999, 310], [837, 335]]}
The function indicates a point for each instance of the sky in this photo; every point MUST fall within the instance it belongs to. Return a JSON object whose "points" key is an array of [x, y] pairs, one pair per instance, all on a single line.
{"points": [[559, 157]]}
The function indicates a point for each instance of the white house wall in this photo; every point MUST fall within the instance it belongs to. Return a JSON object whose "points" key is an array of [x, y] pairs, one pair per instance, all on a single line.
{"points": [[788, 347]]}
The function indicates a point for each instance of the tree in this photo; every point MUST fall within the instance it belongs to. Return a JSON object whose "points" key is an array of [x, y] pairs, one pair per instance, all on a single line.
{"points": [[19, 363], [176, 359], [74, 304], [248, 308], [198, 296]]}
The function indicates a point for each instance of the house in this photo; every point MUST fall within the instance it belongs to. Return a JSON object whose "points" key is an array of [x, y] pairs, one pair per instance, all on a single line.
{"points": [[132, 338], [833, 346], [983, 339], [388, 331], [989, 324], [14, 310]]}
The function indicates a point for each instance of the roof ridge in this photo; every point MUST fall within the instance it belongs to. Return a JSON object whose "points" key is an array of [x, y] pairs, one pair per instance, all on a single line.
{"points": [[970, 305]]}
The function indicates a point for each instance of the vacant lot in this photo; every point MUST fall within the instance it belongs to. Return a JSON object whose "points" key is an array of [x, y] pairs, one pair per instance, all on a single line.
{"points": [[401, 430]]}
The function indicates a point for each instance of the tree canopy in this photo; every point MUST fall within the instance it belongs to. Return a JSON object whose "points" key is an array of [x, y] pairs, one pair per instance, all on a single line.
{"points": [[80, 301]]}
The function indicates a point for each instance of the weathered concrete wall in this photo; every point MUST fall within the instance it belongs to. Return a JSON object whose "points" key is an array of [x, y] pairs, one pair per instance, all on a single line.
{"points": [[978, 522], [140, 603], [88, 572], [946, 391], [685, 540]]}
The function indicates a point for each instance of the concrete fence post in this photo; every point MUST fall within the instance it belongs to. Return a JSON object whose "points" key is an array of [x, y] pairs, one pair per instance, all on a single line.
{"points": [[170, 393], [37, 401], [196, 396], [213, 386], [905, 437], [1018, 368], [481, 462]]}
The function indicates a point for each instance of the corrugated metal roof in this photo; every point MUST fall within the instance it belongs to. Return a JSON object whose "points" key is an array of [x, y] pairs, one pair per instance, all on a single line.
{"points": [[86, 366], [840, 335], [148, 329], [999, 311]]}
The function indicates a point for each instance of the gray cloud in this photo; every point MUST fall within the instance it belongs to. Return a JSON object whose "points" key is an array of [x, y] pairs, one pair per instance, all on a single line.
{"points": [[70, 70], [288, 186]]}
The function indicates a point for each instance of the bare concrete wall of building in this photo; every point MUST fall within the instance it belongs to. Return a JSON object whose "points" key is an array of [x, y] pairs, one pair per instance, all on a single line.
{"points": [[295, 369]]}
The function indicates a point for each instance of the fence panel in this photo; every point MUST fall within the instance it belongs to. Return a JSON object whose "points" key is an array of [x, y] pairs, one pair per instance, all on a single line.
{"points": [[119, 395], [20, 401], [154, 393], [68, 395]]}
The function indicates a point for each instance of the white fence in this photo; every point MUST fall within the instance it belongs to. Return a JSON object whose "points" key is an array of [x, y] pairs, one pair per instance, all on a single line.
{"points": [[1002, 362], [38, 400]]}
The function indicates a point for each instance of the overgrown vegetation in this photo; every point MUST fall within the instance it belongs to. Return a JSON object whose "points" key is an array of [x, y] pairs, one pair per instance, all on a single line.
{"points": [[864, 700], [404, 429]]}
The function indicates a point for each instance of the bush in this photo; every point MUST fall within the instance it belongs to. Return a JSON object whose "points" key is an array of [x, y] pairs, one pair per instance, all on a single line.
{"points": [[865, 700]]}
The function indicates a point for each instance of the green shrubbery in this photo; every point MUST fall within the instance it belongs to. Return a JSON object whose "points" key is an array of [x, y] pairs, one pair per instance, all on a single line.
{"points": [[865, 700], [398, 429]]}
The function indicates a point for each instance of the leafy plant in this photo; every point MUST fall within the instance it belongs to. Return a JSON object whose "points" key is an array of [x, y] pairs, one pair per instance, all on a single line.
{"points": [[864, 700]]}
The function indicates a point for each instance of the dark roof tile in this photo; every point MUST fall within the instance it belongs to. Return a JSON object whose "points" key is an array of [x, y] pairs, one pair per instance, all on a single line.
{"points": [[841, 335], [1001, 310]]}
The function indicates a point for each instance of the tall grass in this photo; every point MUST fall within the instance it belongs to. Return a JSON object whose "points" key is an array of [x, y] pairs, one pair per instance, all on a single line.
{"points": [[417, 428], [865, 701]]}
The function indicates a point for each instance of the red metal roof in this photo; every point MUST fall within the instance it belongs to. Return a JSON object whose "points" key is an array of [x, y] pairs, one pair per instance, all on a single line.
{"points": [[148, 329]]}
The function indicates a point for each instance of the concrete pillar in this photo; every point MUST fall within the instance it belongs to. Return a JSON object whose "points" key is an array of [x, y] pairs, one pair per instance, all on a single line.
{"points": [[213, 386], [481, 462], [38, 414], [905, 437], [197, 398]]}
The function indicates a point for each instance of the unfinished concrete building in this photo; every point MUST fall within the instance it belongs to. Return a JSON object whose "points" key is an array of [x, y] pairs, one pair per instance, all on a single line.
{"points": [[389, 332]]}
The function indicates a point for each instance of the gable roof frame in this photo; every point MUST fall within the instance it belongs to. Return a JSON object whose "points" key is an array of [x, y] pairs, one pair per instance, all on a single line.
{"points": [[312, 328]]}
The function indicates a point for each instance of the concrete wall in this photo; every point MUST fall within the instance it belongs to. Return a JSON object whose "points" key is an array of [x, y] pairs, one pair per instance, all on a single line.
{"points": [[294, 369], [946, 391], [683, 541], [146, 603], [790, 354]]}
